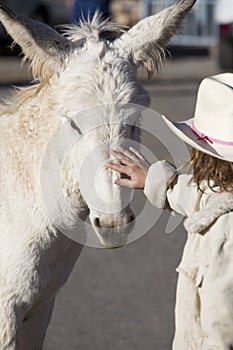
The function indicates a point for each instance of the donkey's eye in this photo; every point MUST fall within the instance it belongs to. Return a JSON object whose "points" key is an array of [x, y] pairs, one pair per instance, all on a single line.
{"points": [[75, 126], [133, 129]]}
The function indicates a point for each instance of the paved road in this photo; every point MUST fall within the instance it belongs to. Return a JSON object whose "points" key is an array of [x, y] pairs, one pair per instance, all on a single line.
{"points": [[123, 299]]}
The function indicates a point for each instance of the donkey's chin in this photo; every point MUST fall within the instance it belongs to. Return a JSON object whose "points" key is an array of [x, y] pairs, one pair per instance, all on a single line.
{"points": [[113, 237]]}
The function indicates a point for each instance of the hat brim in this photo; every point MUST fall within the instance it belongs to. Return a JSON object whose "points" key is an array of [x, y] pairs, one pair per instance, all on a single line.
{"points": [[184, 131]]}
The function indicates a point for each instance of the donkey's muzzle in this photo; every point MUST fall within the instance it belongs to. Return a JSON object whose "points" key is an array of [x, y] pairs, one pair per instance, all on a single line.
{"points": [[111, 221], [113, 229]]}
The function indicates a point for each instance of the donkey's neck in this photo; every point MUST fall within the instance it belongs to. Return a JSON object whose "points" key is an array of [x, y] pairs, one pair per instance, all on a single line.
{"points": [[32, 105]]}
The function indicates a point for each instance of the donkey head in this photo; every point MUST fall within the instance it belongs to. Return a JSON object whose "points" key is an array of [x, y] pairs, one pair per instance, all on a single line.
{"points": [[91, 73]]}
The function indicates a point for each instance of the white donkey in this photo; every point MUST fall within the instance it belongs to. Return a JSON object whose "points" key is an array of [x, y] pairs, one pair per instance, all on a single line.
{"points": [[94, 65]]}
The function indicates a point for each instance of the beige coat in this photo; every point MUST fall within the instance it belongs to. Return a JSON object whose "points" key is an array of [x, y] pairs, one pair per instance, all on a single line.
{"points": [[204, 302]]}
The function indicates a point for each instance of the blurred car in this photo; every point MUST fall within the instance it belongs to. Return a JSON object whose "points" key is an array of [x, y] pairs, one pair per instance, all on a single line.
{"points": [[52, 12], [224, 19]]}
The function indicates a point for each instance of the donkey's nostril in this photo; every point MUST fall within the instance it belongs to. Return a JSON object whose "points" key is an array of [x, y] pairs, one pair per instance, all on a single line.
{"points": [[111, 221], [97, 222]]}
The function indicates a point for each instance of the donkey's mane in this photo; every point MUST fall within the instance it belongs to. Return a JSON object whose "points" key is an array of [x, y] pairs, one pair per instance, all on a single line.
{"points": [[94, 28], [19, 96]]}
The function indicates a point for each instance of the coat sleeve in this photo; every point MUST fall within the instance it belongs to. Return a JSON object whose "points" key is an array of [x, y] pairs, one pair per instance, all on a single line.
{"points": [[166, 189], [159, 177]]}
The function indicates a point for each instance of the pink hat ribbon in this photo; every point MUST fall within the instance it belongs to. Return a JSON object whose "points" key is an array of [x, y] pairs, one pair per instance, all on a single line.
{"points": [[210, 139]]}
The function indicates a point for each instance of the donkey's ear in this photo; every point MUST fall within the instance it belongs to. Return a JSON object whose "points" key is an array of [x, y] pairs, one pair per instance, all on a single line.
{"points": [[43, 46], [145, 42]]}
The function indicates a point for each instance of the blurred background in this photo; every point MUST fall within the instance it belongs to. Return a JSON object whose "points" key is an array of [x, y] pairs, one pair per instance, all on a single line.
{"points": [[123, 299]]}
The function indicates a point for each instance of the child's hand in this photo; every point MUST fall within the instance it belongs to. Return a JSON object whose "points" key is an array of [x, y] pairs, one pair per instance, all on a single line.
{"points": [[132, 164]]}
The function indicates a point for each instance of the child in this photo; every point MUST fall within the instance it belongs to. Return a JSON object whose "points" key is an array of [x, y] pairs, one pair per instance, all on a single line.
{"points": [[204, 304]]}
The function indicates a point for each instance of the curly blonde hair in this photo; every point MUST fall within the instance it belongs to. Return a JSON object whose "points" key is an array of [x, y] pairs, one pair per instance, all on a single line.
{"points": [[215, 171]]}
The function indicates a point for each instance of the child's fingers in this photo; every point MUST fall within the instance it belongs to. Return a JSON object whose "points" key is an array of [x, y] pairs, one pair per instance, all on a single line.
{"points": [[137, 153], [120, 157], [119, 168], [124, 183], [127, 153]]}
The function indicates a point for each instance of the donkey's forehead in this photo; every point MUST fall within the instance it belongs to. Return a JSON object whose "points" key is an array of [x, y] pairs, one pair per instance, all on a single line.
{"points": [[97, 51], [96, 76], [91, 50], [106, 116]]}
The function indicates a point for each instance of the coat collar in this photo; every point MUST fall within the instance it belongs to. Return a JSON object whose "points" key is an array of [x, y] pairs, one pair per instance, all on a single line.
{"points": [[217, 205]]}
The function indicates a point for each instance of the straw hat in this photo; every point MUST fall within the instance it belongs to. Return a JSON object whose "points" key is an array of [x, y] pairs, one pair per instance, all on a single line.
{"points": [[211, 129]]}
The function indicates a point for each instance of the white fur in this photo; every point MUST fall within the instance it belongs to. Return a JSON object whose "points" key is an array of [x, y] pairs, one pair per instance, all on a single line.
{"points": [[217, 205]]}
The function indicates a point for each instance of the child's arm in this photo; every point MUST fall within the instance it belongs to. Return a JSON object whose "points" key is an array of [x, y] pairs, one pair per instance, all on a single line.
{"points": [[160, 177]]}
